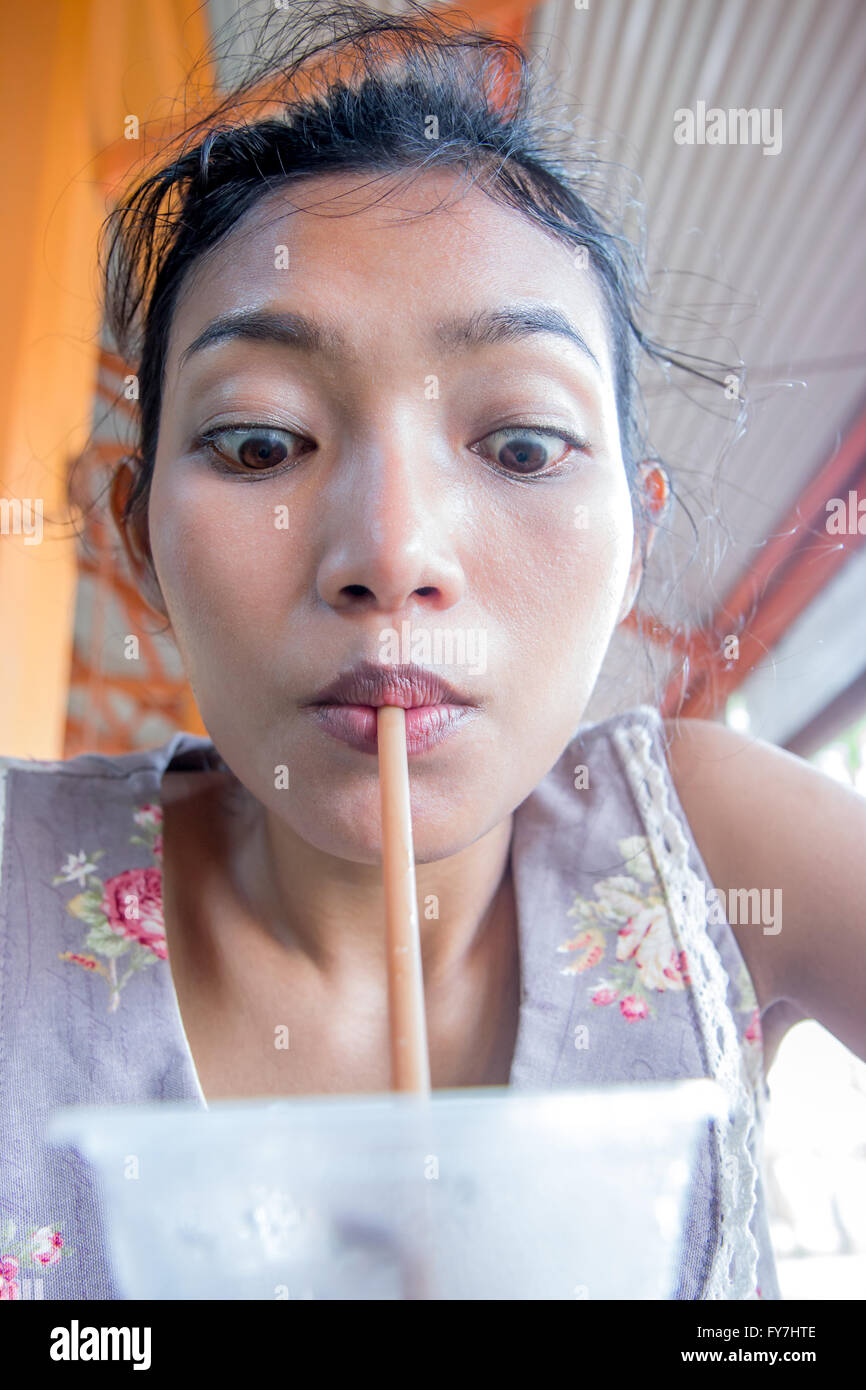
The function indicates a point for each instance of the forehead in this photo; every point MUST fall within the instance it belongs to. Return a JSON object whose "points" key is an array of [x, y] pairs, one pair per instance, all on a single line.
{"points": [[385, 259]]}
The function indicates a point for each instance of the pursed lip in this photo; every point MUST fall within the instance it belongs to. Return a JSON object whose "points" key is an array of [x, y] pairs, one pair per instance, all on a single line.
{"points": [[408, 686]]}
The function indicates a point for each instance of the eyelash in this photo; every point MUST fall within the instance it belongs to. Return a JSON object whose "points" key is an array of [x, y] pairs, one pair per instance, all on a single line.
{"points": [[205, 442]]}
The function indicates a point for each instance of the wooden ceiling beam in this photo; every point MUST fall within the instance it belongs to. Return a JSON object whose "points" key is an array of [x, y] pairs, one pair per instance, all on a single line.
{"points": [[793, 568]]}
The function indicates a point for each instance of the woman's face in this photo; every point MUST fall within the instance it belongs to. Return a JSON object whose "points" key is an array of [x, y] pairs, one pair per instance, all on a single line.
{"points": [[392, 495]]}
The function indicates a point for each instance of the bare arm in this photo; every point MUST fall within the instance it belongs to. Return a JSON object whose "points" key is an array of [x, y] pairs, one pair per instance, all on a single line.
{"points": [[764, 818]]}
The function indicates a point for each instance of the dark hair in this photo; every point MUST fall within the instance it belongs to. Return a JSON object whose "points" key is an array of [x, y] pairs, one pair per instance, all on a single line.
{"points": [[389, 74]]}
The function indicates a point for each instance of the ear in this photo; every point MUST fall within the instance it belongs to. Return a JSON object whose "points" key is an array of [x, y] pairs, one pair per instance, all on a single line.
{"points": [[635, 575], [655, 487], [136, 540]]}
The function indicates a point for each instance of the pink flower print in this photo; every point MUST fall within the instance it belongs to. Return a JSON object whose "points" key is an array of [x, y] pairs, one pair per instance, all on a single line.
{"points": [[132, 903], [633, 1008], [627, 942], [648, 939], [45, 1246], [123, 916], [86, 962], [630, 937], [89, 962], [8, 1278], [591, 945], [754, 1032], [629, 910], [605, 996]]}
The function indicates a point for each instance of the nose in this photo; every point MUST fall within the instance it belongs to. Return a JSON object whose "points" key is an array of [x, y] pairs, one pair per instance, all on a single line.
{"points": [[390, 525]]}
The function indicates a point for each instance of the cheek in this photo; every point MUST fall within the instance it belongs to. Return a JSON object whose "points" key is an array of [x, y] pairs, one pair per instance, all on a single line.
{"points": [[225, 570], [560, 590]]}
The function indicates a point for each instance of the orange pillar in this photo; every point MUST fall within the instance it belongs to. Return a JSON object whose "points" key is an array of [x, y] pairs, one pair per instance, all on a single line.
{"points": [[47, 359], [70, 73]]}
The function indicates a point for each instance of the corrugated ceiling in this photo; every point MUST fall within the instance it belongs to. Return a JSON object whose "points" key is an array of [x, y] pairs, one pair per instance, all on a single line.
{"points": [[780, 235]]}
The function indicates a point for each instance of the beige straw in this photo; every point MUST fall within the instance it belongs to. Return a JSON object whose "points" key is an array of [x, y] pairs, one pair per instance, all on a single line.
{"points": [[410, 1062]]}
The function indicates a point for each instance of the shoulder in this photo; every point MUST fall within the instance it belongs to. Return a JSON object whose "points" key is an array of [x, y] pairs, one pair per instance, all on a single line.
{"points": [[734, 785], [765, 819], [105, 765], [709, 765]]}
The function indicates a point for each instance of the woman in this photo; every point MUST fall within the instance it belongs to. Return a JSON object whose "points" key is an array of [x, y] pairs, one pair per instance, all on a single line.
{"points": [[386, 353]]}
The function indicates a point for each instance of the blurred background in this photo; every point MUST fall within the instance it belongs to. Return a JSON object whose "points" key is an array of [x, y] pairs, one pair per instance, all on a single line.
{"points": [[755, 259]]}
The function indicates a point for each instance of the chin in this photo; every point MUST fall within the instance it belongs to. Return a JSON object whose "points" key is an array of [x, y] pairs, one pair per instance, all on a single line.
{"points": [[352, 830]]}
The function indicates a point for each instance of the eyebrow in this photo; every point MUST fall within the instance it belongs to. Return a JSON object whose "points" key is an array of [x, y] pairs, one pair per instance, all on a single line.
{"points": [[288, 329], [508, 324]]}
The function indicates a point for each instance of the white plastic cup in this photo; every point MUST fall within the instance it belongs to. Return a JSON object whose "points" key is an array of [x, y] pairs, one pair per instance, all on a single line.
{"points": [[487, 1193]]}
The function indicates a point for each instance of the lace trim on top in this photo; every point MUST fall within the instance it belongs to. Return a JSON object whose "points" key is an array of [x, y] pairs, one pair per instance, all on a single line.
{"points": [[734, 1268]]}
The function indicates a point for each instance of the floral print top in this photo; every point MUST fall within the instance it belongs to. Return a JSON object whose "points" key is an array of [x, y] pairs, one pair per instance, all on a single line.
{"points": [[625, 937], [89, 1015], [123, 914]]}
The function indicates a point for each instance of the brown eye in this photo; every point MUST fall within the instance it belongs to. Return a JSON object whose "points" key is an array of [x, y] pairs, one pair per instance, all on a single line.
{"points": [[527, 450], [258, 448], [262, 451]]}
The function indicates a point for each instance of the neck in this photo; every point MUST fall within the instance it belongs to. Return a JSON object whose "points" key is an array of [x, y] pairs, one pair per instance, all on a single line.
{"points": [[333, 909]]}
